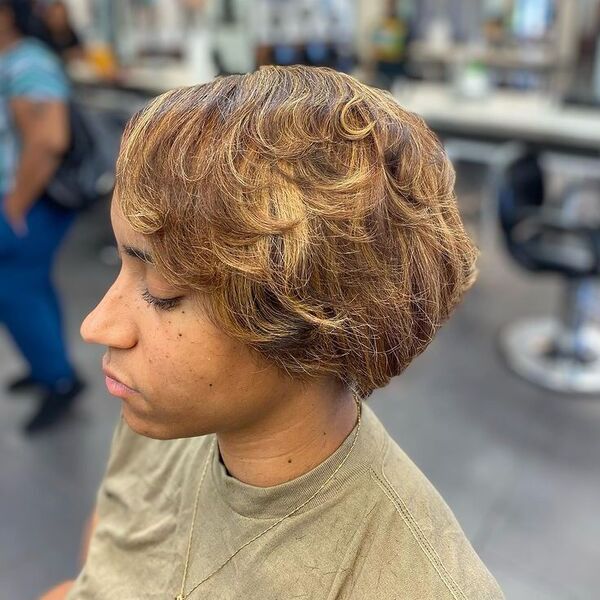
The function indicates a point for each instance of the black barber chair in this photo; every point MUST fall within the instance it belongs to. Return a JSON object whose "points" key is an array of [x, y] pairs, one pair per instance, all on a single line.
{"points": [[562, 354]]}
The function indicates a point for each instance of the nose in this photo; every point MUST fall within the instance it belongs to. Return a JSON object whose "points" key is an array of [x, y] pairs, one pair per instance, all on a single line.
{"points": [[111, 323]]}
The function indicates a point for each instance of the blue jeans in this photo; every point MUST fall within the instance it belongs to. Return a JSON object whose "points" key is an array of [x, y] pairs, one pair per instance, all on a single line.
{"points": [[29, 306]]}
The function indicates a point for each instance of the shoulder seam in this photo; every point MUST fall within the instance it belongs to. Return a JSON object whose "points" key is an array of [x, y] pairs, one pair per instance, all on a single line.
{"points": [[420, 537]]}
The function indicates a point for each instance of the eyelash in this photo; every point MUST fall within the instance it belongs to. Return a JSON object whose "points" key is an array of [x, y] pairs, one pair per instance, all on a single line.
{"points": [[160, 303]]}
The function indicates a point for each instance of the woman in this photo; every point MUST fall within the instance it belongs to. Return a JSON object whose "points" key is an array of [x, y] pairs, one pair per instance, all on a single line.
{"points": [[290, 241], [34, 134]]}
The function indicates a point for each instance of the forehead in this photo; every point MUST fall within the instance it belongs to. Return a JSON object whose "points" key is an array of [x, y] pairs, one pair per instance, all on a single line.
{"points": [[123, 231]]}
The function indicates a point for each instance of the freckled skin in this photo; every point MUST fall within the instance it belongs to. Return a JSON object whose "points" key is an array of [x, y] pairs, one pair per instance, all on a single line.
{"points": [[148, 353]]}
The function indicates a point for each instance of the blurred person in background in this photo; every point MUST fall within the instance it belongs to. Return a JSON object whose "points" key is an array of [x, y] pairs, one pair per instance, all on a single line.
{"points": [[34, 135], [59, 32]]}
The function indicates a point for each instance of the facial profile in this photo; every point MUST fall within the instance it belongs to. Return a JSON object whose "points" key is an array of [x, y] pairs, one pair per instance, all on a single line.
{"points": [[176, 373]]}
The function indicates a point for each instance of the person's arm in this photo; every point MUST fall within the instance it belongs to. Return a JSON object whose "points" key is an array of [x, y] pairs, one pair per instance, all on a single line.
{"points": [[44, 132], [60, 591], [124, 448], [73, 54]]}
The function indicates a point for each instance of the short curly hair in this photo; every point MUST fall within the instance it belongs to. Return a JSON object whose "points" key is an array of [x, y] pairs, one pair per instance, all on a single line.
{"points": [[315, 215]]}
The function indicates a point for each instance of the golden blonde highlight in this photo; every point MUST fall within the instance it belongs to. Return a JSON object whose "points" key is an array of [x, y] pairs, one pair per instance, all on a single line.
{"points": [[316, 215]]}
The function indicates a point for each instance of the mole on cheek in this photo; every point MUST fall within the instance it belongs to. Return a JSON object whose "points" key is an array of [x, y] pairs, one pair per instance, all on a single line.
{"points": [[180, 334]]}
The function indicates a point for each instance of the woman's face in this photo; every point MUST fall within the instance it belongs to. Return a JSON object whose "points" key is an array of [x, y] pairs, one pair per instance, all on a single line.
{"points": [[176, 373], [56, 16]]}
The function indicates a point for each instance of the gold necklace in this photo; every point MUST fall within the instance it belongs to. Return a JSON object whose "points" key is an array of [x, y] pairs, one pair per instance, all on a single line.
{"points": [[183, 595]]}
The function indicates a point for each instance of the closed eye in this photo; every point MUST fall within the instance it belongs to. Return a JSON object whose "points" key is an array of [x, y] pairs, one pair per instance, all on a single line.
{"points": [[161, 303]]}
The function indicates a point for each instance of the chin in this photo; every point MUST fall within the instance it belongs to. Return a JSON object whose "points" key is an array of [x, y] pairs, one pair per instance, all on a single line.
{"points": [[147, 427]]}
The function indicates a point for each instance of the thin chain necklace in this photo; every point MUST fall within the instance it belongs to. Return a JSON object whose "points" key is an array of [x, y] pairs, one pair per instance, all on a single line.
{"points": [[183, 595]]}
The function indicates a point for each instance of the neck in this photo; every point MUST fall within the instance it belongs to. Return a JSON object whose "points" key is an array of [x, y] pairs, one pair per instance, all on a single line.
{"points": [[305, 431]]}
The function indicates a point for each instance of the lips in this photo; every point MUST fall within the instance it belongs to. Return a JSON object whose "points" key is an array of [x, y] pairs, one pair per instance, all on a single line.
{"points": [[115, 386]]}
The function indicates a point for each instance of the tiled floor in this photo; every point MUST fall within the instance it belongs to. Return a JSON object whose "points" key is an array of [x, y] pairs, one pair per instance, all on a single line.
{"points": [[519, 466]]}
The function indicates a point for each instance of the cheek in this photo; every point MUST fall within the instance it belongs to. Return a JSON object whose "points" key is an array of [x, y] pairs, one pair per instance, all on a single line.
{"points": [[186, 357], [202, 362], [187, 363]]}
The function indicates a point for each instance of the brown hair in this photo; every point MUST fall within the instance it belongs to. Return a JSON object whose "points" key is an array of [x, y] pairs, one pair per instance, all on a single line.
{"points": [[317, 215]]}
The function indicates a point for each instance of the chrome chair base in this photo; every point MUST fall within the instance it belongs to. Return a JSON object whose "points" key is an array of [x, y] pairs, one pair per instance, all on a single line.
{"points": [[544, 353]]}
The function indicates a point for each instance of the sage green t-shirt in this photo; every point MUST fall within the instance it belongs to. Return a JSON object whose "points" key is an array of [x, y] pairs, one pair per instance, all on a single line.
{"points": [[377, 531]]}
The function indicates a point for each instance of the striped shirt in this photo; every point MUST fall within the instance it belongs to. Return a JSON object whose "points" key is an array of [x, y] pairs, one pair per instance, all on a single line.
{"points": [[27, 70]]}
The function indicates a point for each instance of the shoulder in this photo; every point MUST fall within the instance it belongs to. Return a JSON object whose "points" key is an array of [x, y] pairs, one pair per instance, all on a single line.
{"points": [[141, 466], [34, 70], [416, 541], [29, 52], [130, 450]]}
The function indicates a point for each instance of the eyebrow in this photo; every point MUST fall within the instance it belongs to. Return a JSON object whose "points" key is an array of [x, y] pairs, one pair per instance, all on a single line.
{"points": [[139, 254]]}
